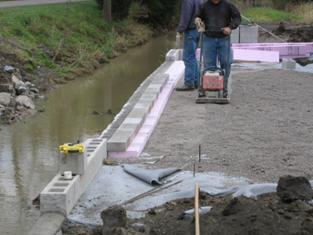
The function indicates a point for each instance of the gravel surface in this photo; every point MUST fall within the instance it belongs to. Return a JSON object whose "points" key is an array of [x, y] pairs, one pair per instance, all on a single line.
{"points": [[266, 131]]}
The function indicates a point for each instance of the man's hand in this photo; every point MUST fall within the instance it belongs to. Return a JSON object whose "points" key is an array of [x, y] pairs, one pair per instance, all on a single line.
{"points": [[179, 35], [227, 30], [199, 24]]}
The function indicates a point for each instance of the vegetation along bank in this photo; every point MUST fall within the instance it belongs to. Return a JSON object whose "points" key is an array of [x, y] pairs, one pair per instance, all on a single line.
{"points": [[45, 45]]}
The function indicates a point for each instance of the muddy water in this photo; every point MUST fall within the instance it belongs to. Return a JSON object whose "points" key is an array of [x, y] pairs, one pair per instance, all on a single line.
{"points": [[75, 111]]}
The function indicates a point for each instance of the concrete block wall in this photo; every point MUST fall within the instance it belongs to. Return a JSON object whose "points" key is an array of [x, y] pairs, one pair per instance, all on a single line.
{"points": [[128, 129], [61, 195], [134, 99]]}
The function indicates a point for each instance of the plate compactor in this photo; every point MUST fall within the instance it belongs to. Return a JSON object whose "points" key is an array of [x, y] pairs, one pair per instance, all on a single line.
{"points": [[211, 88], [211, 85]]}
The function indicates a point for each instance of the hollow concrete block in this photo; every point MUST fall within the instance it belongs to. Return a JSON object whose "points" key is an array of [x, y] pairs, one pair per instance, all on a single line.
{"points": [[61, 195]]}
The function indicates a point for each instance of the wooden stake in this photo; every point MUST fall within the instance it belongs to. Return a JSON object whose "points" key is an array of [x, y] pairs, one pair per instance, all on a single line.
{"points": [[197, 216]]}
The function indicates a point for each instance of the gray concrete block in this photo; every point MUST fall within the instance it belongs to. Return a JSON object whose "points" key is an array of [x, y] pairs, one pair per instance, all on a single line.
{"points": [[139, 113], [248, 34], [234, 38], [173, 55], [148, 97], [120, 140], [129, 127], [58, 195], [74, 162], [94, 163], [143, 105], [129, 120], [61, 195], [288, 64]]}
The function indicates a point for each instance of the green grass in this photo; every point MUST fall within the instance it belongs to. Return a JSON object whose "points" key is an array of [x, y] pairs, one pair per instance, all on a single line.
{"points": [[68, 38], [269, 15]]}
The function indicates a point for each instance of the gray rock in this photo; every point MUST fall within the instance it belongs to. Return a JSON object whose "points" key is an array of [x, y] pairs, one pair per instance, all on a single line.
{"points": [[5, 98], [34, 90], [292, 188], [17, 82], [114, 218], [21, 90], [8, 69], [29, 84], [6, 88], [2, 108], [25, 101], [139, 227], [20, 108]]}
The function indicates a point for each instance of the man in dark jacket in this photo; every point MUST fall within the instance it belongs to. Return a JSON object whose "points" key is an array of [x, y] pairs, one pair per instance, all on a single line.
{"points": [[220, 17], [187, 26]]}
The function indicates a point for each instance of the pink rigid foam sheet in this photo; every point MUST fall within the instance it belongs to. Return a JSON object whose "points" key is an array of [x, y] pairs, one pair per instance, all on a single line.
{"points": [[256, 55], [286, 50]]}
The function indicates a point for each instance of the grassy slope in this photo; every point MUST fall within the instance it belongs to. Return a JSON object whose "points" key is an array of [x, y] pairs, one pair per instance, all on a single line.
{"points": [[68, 38], [269, 15]]}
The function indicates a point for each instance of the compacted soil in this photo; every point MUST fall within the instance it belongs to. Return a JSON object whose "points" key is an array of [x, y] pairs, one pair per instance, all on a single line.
{"points": [[265, 132]]}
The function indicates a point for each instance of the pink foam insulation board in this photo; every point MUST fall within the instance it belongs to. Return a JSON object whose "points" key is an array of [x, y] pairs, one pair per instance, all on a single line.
{"points": [[256, 55], [286, 50]]}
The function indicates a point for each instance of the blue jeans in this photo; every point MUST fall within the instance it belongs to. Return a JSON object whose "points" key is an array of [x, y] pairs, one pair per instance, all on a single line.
{"points": [[218, 50], [191, 38]]}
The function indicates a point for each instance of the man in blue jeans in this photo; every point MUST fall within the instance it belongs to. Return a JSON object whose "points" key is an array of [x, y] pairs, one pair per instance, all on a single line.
{"points": [[220, 17], [187, 26]]}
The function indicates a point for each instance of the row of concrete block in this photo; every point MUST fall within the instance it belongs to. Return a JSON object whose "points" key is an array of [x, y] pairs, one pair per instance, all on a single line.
{"points": [[123, 136]]}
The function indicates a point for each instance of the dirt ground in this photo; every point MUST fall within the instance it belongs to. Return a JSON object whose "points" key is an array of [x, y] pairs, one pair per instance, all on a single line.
{"points": [[234, 216], [240, 216], [265, 132]]}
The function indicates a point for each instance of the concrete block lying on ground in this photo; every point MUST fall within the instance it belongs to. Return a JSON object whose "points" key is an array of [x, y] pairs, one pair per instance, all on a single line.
{"points": [[61, 195], [289, 64]]}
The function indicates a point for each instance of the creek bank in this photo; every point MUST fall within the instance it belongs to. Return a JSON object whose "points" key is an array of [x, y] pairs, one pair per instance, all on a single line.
{"points": [[17, 95], [76, 43], [16, 80]]}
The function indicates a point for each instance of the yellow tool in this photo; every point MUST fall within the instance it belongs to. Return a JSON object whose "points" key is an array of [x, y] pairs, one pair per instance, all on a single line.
{"points": [[71, 148]]}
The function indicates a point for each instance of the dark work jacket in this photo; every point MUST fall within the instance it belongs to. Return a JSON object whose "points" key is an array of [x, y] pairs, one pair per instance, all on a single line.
{"points": [[218, 16], [189, 8]]}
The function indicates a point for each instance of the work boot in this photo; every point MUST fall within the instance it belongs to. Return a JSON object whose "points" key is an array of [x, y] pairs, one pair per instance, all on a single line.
{"points": [[225, 94], [185, 88]]}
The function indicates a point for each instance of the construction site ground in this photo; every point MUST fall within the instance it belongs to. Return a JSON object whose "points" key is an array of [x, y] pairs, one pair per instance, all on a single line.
{"points": [[264, 133]]}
